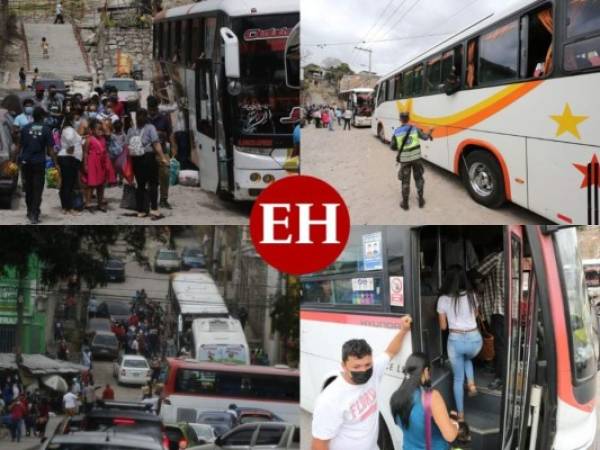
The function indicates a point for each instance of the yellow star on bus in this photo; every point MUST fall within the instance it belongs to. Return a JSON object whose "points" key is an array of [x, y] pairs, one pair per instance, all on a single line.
{"points": [[567, 122]]}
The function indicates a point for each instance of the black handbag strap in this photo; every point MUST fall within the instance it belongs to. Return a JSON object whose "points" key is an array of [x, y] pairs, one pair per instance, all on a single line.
{"points": [[405, 139]]}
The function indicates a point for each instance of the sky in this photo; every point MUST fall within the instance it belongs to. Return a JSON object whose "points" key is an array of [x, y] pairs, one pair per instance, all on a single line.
{"points": [[395, 30]]}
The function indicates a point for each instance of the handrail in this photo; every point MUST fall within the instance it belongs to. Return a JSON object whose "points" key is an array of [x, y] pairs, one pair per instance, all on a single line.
{"points": [[86, 56]]}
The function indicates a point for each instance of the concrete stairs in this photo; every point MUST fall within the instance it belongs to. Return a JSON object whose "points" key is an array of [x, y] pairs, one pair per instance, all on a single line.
{"points": [[65, 56]]}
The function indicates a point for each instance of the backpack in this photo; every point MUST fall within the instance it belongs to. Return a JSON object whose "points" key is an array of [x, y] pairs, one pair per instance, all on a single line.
{"points": [[114, 147], [136, 146]]}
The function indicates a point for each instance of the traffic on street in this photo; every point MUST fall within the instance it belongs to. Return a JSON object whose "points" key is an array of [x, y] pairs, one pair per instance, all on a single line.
{"points": [[159, 355]]}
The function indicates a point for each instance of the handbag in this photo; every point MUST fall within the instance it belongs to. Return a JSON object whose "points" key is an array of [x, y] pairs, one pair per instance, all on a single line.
{"points": [[487, 352]]}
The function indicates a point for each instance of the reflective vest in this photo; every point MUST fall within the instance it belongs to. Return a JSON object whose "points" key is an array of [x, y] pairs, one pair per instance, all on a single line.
{"points": [[412, 148]]}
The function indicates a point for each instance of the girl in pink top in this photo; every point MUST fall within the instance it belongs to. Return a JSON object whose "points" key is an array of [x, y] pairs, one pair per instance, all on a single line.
{"points": [[97, 168]]}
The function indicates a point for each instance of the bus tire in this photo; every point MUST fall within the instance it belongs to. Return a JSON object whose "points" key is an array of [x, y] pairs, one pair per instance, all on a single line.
{"points": [[483, 179], [381, 133]]}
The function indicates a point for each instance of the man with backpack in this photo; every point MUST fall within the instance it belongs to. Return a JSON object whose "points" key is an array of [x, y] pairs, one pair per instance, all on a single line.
{"points": [[406, 140], [164, 128]]}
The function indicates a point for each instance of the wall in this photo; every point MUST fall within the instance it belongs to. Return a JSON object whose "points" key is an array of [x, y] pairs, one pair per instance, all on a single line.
{"points": [[136, 42]]}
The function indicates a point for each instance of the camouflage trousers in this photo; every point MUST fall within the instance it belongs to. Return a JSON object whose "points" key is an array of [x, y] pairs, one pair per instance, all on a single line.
{"points": [[404, 174]]}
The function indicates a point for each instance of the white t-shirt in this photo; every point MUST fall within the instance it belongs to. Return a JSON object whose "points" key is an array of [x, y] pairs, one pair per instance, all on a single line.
{"points": [[70, 138], [461, 318], [347, 415], [70, 400]]}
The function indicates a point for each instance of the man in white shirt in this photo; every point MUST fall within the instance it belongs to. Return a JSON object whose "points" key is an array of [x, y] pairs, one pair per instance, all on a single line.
{"points": [[346, 415], [70, 402]]}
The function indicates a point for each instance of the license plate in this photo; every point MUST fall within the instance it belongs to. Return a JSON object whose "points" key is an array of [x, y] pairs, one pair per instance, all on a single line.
{"points": [[135, 374]]}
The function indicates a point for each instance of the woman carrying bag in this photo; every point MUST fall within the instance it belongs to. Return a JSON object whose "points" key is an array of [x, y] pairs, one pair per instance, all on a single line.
{"points": [[420, 411], [457, 310], [144, 144]]}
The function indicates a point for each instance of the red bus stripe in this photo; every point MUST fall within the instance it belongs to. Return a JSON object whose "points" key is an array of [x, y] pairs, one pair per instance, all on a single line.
{"points": [[352, 319]]}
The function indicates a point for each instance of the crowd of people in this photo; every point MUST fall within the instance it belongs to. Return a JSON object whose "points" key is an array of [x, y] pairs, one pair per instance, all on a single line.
{"points": [[83, 146], [24, 413], [325, 116]]}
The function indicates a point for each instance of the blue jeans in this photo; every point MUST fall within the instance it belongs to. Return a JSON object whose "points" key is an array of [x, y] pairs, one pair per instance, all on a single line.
{"points": [[462, 348]]}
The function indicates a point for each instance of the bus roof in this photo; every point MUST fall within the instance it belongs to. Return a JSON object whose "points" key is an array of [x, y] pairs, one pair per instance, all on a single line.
{"points": [[471, 30], [233, 8], [197, 293], [181, 363], [217, 325]]}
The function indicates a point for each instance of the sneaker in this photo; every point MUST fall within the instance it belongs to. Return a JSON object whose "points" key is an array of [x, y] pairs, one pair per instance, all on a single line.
{"points": [[421, 202], [404, 205]]}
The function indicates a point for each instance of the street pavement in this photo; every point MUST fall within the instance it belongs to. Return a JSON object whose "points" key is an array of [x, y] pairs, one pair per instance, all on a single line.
{"points": [[364, 172], [191, 206]]}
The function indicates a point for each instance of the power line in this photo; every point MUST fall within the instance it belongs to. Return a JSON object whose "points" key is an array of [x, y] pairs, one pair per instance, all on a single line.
{"points": [[403, 38], [389, 18]]}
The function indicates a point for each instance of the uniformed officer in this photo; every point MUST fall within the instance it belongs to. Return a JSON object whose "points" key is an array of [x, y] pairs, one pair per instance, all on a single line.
{"points": [[407, 140]]}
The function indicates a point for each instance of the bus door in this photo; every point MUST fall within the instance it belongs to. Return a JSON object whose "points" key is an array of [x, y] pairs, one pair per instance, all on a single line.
{"points": [[520, 326], [205, 126]]}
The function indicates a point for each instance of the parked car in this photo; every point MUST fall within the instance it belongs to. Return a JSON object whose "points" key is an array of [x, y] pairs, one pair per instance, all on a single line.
{"points": [[115, 310], [97, 324], [127, 90], [181, 435], [46, 82], [205, 433], [131, 369], [81, 86], [105, 345], [192, 258], [166, 260], [95, 440], [114, 269], [8, 182], [221, 421], [271, 435], [251, 415]]}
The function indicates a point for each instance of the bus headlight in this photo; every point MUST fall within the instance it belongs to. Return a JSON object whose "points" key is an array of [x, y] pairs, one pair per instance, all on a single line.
{"points": [[256, 150]]}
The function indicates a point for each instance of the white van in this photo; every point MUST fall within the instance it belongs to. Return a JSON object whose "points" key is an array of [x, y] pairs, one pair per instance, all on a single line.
{"points": [[220, 340]]}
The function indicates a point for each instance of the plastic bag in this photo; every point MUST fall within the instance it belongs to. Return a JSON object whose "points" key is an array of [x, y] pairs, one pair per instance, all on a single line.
{"points": [[174, 172], [52, 178], [189, 178]]}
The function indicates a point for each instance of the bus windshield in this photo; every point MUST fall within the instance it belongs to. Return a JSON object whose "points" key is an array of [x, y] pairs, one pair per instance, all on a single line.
{"points": [[265, 98], [235, 384], [364, 104], [578, 306]]}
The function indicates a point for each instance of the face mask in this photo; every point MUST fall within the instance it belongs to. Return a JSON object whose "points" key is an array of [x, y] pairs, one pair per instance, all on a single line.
{"points": [[361, 377], [92, 114], [28, 110]]}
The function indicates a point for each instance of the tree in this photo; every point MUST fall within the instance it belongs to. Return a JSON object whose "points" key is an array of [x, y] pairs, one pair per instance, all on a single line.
{"points": [[335, 74], [62, 252], [285, 318]]}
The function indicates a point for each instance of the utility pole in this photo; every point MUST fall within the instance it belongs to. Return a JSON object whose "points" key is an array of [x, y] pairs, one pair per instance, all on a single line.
{"points": [[370, 52]]}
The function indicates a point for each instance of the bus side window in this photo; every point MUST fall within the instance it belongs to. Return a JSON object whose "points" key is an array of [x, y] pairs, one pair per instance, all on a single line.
{"points": [[583, 18], [166, 27], [176, 42], [204, 116], [382, 93], [433, 75], [418, 80], [471, 73], [537, 30], [184, 42], [407, 78], [398, 85], [390, 89], [210, 28], [156, 41], [196, 40]]}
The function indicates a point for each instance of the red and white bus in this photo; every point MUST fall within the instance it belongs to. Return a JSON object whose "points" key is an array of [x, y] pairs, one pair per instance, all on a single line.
{"points": [[191, 388], [549, 396]]}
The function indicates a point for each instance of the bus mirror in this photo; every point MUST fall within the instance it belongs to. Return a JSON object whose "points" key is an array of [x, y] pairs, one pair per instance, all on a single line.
{"points": [[234, 87], [292, 59], [232, 53]]}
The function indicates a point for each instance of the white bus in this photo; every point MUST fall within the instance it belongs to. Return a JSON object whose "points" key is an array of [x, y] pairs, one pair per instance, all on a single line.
{"points": [[193, 295], [549, 397], [224, 62], [360, 102], [192, 388], [518, 122], [220, 340]]}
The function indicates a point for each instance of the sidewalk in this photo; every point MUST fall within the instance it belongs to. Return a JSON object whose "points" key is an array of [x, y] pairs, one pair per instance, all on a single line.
{"points": [[32, 443]]}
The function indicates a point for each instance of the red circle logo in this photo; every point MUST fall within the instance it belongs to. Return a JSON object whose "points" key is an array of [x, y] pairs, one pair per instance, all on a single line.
{"points": [[299, 224]]}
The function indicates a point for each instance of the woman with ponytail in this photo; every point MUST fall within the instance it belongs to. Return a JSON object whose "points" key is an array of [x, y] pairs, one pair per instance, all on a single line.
{"points": [[457, 311], [420, 411]]}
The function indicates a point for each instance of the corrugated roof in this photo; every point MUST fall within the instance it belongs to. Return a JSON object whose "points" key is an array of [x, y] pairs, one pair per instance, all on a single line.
{"points": [[39, 364]]}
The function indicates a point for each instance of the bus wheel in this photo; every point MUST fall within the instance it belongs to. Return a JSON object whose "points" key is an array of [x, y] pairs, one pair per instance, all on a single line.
{"points": [[380, 133], [483, 179]]}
